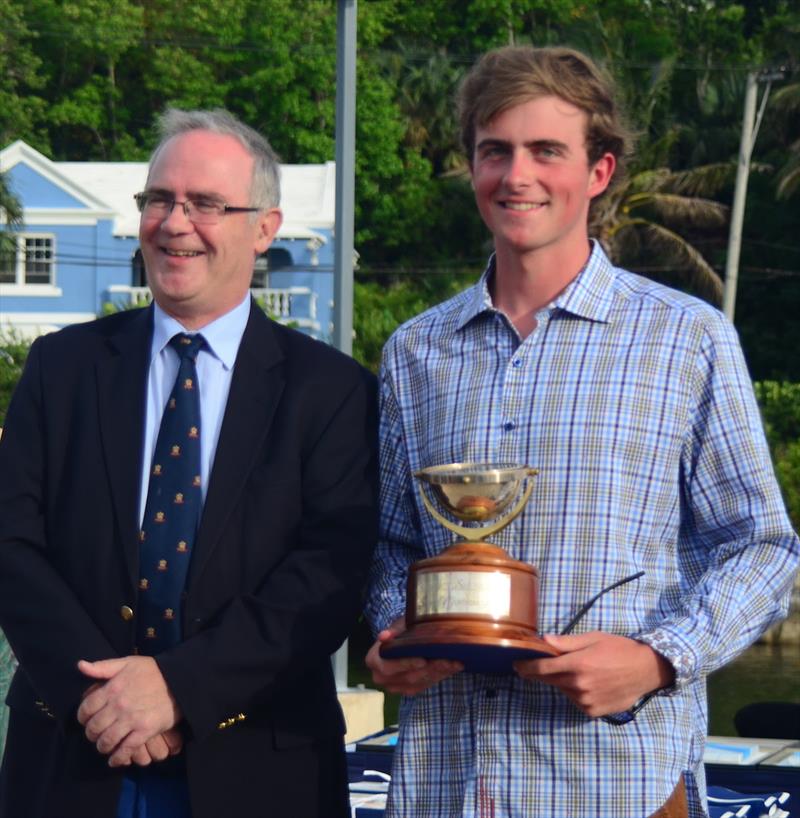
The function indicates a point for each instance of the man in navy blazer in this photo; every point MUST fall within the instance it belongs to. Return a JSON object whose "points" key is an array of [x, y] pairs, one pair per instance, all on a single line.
{"points": [[240, 717]]}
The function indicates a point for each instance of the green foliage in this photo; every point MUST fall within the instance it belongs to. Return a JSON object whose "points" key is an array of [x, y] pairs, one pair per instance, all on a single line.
{"points": [[13, 353], [85, 80], [378, 308], [20, 105], [780, 409]]}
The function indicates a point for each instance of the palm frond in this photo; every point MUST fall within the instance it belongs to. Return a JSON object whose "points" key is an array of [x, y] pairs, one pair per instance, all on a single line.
{"points": [[10, 207], [789, 179], [672, 208], [704, 180], [786, 100], [700, 276], [647, 180], [10, 219]]}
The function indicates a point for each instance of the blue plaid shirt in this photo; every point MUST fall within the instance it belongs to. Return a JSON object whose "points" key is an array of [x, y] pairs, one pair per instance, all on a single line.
{"points": [[635, 403]]}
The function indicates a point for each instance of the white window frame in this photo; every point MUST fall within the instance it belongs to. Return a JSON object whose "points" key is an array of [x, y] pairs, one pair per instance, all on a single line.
{"points": [[20, 286]]}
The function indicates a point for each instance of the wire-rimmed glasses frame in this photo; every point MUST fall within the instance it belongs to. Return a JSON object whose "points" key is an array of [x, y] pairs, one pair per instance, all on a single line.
{"points": [[198, 209]]}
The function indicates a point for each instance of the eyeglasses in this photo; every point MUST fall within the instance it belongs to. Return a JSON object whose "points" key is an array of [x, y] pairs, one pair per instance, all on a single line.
{"points": [[628, 715], [198, 209]]}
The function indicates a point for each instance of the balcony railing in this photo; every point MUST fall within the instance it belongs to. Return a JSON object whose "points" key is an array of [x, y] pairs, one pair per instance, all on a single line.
{"points": [[295, 306]]}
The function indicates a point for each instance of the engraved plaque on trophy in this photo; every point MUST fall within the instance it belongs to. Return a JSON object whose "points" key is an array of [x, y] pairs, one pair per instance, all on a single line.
{"points": [[473, 603]]}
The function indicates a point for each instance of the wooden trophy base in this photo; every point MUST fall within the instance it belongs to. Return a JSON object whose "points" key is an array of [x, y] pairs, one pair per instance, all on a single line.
{"points": [[473, 604]]}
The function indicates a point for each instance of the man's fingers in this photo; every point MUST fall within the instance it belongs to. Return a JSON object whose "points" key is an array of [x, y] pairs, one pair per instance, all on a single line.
{"points": [[122, 753], [158, 748], [97, 725], [141, 757], [104, 669], [124, 758], [601, 673], [94, 700], [152, 751], [174, 740], [409, 681], [112, 737], [571, 642], [410, 675], [91, 689]]}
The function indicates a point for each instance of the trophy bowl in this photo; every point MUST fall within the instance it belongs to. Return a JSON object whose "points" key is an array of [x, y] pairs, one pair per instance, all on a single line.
{"points": [[472, 603], [472, 492]]}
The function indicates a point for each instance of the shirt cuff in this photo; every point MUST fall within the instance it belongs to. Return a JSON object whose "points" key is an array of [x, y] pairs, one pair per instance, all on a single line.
{"points": [[677, 652]]}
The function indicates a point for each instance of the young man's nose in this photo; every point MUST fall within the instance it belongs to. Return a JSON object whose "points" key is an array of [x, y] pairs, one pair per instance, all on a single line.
{"points": [[521, 169]]}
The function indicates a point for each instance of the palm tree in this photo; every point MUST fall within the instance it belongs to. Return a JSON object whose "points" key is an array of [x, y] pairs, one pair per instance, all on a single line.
{"points": [[651, 218], [426, 83], [786, 103], [10, 217]]}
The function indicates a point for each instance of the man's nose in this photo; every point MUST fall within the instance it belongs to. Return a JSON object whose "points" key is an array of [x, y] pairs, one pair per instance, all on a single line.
{"points": [[521, 169], [176, 221]]}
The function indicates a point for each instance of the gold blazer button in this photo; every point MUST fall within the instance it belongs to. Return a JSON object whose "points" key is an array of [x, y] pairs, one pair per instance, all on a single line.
{"points": [[126, 612]]}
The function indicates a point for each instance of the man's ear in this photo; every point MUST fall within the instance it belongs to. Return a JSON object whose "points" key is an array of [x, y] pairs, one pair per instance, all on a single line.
{"points": [[269, 222], [600, 174]]}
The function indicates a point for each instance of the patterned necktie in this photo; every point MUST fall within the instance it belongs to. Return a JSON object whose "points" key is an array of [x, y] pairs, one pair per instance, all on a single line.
{"points": [[172, 512]]}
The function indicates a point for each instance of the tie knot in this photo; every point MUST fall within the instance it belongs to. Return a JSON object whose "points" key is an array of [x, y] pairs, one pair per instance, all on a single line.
{"points": [[187, 346]]}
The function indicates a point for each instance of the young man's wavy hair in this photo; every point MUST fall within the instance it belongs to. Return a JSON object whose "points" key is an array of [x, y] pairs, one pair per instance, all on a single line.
{"points": [[506, 77]]}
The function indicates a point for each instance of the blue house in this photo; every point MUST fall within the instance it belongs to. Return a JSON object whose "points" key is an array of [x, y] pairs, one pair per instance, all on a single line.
{"points": [[78, 249]]}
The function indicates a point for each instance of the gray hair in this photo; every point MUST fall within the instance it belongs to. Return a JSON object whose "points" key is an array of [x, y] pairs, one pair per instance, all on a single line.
{"points": [[265, 186]]}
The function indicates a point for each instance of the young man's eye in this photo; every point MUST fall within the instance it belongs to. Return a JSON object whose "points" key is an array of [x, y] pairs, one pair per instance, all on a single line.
{"points": [[548, 153], [492, 152]]}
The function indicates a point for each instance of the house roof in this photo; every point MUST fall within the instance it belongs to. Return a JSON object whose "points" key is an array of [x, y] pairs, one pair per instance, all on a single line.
{"points": [[307, 191]]}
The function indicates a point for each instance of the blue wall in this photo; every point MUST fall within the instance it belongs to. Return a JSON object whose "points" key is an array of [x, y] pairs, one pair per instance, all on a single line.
{"points": [[36, 191], [318, 277], [87, 260]]}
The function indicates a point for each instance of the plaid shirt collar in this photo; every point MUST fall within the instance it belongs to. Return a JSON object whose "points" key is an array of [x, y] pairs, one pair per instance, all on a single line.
{"points": [[589, 295]]}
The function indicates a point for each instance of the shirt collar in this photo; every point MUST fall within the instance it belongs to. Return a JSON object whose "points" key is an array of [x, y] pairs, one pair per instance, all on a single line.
{"points": [[223, 335], [589, 295], [479, 299]]}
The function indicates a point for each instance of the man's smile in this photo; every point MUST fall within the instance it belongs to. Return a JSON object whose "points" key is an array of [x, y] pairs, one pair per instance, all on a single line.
{"points": [[182, 253], [522, 206]]}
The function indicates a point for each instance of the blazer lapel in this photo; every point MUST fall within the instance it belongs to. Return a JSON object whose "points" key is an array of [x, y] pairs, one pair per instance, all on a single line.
{"points": [[256, 389], [121, 385]]}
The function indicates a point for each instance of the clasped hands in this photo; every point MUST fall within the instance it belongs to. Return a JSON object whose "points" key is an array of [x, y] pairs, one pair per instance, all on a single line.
{"points": [[129, 713], [601, 673]]}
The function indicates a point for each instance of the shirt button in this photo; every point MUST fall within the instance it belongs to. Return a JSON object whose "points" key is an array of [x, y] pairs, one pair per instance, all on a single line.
{"points": [[516, 363], [126, 612], [509, 427]]}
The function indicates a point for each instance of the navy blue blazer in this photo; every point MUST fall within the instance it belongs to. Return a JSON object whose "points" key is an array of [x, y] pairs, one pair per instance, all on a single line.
{"points": [[274, 585]]}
